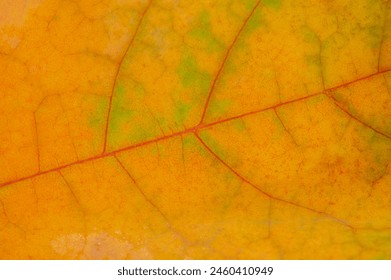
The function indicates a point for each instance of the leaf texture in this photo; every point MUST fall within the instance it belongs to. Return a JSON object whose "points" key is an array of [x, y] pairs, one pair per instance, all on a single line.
{"points": [[195, 129]]}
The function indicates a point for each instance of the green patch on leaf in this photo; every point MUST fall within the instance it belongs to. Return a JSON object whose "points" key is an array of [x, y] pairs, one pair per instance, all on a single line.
{"points": [[239, 125], [204, 33], [119, 120], [124, 123], [275, 4], [375, 34], [191, 76], [309, 35], [255, 22], [182, 111], [119, 115], [313, 60], [220, 107], [250, 4]]}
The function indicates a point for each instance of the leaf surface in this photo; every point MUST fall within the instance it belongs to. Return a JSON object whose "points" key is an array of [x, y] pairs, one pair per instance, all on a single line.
{"points": [[195, 130]]}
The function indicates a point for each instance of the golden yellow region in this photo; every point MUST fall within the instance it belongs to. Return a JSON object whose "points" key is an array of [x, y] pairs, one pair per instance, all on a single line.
{"points": [[166, 129]]}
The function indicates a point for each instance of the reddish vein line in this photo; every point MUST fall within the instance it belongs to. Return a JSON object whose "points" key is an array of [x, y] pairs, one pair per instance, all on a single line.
{"points": [[99, 156], [117, 73], [179, 133], [141, 191], [335, 101], [357, 119], [359, 79], [225, 60], [170, 226], [201, 126], [70, 189], [183, 132], [283, 125], [258, 111], [242, 178]]}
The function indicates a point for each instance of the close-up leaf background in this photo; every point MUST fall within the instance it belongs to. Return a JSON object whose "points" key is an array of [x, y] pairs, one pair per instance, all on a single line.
{"points": [[175, 129]]}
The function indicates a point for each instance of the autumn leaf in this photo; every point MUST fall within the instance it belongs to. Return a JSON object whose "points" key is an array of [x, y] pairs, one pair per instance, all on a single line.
{"points": [[195, 129]]}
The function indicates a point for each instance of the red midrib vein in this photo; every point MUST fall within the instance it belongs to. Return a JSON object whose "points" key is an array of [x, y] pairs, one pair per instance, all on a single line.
{"points": [[193, 130]]}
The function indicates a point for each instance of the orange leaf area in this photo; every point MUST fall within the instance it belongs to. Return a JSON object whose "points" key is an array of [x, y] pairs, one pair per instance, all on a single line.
{"points": [[173, 129]]}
